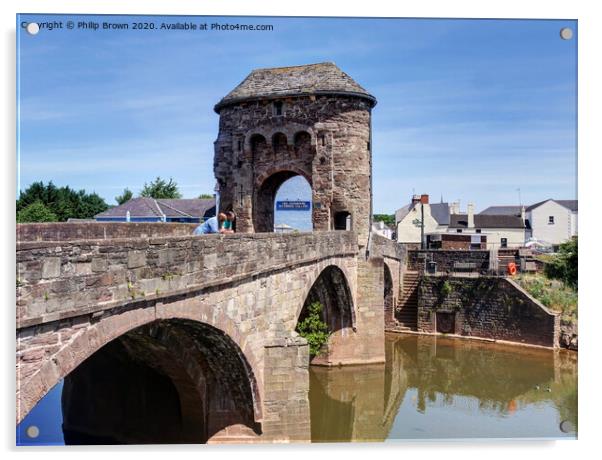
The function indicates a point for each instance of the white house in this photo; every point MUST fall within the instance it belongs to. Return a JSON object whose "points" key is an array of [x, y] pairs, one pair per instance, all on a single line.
{"points": [[382, 229], [553, 221], [409, 219], [502, 230]]}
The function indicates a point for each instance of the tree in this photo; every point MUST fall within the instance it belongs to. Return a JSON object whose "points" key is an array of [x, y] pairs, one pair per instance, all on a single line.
{"points": [[388, 219], [37, 191], [313, 329], [36, 212], [205, 196], [125, 196], [159, 188], [564, 265], [63, 202]]}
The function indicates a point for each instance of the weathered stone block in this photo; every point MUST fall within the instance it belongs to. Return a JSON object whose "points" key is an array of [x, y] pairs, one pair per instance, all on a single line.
{"points": [[51, 267], [99, 264], [136, 259]]}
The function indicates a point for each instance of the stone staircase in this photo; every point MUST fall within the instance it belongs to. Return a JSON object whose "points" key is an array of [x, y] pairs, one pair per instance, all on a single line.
{"points": [[406, 313]]}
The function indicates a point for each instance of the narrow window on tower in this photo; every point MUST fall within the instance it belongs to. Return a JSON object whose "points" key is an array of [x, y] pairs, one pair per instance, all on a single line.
{"points": [[278, 108]]}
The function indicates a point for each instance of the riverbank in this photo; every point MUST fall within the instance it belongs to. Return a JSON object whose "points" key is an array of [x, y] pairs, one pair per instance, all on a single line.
{"points": [[559, 298]]}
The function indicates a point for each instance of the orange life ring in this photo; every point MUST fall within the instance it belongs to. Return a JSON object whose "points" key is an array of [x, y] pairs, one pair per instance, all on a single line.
{"points": [[512, 269]]}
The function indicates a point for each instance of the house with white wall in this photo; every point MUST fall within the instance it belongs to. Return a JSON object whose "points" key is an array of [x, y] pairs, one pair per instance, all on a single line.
{"points": [[408, 219], [382, 229], [553, 221], [502, 230], [549, 221]]}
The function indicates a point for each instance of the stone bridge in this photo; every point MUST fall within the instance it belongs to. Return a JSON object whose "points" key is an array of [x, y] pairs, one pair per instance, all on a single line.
{"points": [[195, 335]]}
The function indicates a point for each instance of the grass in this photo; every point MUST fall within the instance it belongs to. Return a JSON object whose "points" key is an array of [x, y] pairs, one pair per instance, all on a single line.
{"points": [[554, 294]]}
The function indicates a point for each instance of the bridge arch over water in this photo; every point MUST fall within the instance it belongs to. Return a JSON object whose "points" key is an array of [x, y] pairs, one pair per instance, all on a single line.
{"points": [[169, 381]]}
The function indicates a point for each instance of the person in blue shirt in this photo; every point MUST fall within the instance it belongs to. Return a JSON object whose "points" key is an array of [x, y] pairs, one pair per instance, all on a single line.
{"points": [[230, 223], [212, 225]]}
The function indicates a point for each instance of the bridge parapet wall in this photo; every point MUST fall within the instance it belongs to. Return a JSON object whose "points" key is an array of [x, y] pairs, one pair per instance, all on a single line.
{"points": [[384, 247], [57, 280], [70, 231]]}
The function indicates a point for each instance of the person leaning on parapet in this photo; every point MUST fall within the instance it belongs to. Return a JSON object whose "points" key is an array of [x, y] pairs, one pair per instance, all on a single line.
{"points": [[230, 223], [212, 225]]}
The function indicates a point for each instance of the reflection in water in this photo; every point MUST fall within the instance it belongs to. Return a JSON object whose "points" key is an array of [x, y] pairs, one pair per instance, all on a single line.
{"points": [[430, 387], [441, 388]]}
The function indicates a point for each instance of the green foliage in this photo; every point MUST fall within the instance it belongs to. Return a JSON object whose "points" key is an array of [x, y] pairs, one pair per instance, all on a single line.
{"points": [[446, 288], [36, 212], [313, 329], [124, 197], [563, 266], [159, 188], [205, 196], [63, 202], [553, 294], [388, 219]]}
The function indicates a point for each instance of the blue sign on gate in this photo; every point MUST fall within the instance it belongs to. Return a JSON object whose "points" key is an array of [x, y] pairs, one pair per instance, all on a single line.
{"points": [[293, 205]]}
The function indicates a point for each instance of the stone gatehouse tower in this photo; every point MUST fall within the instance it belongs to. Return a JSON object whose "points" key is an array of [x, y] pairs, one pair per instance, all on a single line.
{"points": [[310, 120]]}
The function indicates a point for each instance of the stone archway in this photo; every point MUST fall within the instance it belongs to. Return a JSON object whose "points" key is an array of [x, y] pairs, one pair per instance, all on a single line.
{"points": [[267, 186], [331, 290], [170, 381]]}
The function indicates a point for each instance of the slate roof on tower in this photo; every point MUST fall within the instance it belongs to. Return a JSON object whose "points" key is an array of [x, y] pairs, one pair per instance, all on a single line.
{"points": [[302, 80]]}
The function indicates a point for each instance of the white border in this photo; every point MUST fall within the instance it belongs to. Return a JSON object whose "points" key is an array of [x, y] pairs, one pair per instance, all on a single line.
{"points": [[590, 79]]}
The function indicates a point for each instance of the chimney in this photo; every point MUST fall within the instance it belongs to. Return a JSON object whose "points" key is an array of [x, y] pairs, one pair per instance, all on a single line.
{"points": [[415, 199], [522, 213], [470, 215], [454, 208], [424, 198]]}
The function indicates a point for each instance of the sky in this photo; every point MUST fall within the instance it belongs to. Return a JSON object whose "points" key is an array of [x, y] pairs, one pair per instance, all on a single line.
{"points": [[468, 110]]}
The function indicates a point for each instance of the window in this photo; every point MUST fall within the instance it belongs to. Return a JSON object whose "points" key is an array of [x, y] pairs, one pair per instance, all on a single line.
{"points": [[478, 230], [342, 220], [459, 230], [504, 242], [278, 108], [550, 220]]}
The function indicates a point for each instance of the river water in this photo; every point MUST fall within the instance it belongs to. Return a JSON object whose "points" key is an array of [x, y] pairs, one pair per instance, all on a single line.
{"points": [[429, 388], [441, 388]]}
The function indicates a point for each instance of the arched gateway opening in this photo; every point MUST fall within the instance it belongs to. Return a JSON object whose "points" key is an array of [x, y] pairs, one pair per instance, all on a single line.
{"points": [[174, 381], [332, 291], [265, 201]]}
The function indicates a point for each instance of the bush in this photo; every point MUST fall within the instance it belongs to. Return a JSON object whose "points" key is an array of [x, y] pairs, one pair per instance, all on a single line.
{"points": [[313, 329], [446, 288], [553, 294], [36, 212], [563, 266]]}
